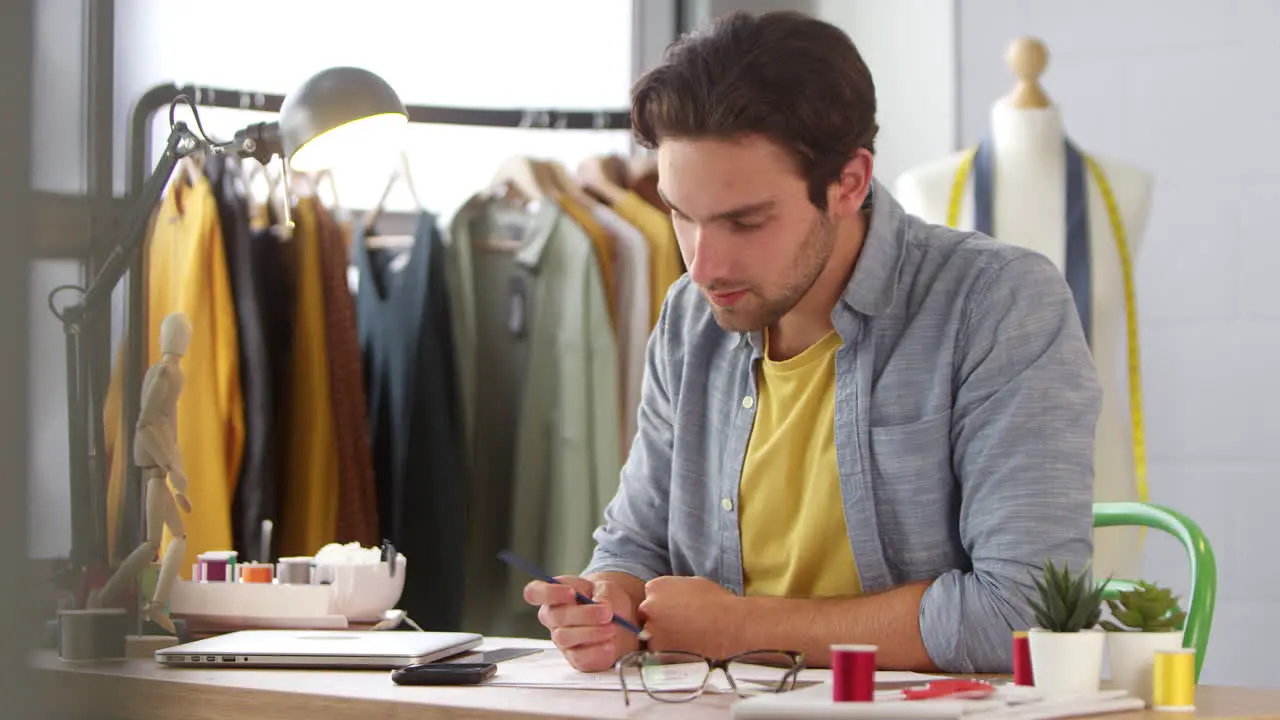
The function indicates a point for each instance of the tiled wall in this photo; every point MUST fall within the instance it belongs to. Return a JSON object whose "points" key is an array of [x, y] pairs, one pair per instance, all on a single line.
{"points": [[1186, 90]]}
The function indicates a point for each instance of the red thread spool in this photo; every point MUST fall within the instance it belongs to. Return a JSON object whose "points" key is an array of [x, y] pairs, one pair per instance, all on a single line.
{"points": [[853, 670], [1022, 674]]}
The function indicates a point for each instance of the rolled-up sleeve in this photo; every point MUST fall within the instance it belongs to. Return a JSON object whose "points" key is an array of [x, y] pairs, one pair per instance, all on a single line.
{"points": [[1027, 400], [633, 536]]}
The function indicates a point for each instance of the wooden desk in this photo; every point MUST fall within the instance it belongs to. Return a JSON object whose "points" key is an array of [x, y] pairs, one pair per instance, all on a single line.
{"points": [[143, 690]]}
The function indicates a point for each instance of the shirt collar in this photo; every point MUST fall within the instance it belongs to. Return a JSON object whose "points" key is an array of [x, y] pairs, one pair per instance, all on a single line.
{"points": [[874, 283], [545, 215]]}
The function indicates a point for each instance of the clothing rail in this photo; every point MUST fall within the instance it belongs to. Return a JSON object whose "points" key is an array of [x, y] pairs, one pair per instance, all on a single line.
{"points": [[131, 531]]}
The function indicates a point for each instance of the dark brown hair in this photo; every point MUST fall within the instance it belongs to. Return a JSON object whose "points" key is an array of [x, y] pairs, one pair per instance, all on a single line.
{"points": [[794, 79]]}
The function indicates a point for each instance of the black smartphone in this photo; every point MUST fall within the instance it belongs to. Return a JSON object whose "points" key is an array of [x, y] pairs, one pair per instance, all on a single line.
{"points": [[444, 674]]}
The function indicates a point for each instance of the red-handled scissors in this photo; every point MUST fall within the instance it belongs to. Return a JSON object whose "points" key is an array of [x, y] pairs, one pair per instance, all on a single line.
{"points": [[952, 688]]}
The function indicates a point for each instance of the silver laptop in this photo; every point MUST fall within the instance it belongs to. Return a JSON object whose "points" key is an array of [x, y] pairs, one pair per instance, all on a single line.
{"points": [[318, 649]]}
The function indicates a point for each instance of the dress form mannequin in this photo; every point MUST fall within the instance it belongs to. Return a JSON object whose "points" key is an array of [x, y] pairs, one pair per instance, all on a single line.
{"points": [[1028, 208], [155, 450]]}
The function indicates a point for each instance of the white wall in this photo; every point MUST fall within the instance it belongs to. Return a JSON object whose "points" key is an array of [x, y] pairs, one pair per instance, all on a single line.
{"points": [[909, 45], [1178, 87], [486, 53]]}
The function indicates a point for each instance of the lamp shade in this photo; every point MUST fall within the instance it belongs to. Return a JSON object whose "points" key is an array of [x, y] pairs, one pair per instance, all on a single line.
{"points": [[337, 115]]}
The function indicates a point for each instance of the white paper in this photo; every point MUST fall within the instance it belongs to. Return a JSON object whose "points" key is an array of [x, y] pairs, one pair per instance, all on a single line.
{"points": [[550, 669]]}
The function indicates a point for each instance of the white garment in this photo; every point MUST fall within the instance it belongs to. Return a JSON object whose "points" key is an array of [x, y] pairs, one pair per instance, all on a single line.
{"points": [[631, 288]]}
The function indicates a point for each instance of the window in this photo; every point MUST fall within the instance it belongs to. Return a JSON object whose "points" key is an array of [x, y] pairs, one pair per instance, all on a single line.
{"points": [[572, 54]]}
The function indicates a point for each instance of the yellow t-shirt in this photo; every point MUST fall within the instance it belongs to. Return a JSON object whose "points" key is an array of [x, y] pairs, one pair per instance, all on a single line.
{"points": [[790, 508], [664, 252], [187, 272]]}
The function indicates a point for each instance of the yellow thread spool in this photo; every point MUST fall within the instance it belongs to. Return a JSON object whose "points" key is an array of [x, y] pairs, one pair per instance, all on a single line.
{"points": [[1173, 679]]}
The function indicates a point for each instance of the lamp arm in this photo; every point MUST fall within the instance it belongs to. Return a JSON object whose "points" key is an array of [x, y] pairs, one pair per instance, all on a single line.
{"points": [[79, 320], [260, 141], [181, 143]]}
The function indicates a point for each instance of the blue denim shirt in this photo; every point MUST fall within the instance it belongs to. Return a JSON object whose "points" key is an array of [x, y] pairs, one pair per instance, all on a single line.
{"points": [[966, 403]]}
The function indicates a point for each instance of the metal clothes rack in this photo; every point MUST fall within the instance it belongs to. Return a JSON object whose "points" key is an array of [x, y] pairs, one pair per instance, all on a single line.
{"points": [[131, 530]]}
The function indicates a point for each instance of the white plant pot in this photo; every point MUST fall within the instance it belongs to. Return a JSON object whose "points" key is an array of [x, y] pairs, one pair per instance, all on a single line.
{"points": [[1132, 655], [1068, 663]]}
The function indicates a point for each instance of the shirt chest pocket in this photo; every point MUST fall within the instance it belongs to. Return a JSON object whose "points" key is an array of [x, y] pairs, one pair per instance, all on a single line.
{"points": [[915, 494]]}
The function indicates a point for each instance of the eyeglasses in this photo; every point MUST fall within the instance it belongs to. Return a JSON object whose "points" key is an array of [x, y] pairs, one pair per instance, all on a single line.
{"points": [[675, 676]]}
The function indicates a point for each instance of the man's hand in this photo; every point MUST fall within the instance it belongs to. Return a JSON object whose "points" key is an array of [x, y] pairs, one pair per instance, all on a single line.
{"points": [[691, 614], [585, 633]]}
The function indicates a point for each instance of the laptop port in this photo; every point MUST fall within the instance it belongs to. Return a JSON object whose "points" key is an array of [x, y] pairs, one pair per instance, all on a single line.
{"points": [[228, 659]]}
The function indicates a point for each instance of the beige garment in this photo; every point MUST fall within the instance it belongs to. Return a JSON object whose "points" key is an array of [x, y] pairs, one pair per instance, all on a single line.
{"points": [[664, 253], [631, 278]]}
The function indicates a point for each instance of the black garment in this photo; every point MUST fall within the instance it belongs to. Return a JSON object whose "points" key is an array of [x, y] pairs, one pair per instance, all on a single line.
{"points": [[407, 342], [253, 268]]}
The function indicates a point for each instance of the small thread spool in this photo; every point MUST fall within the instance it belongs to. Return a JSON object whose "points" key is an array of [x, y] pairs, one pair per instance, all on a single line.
{"points": [[1173, 680], [215, 566], [295, 570], [92, 635], [1022, 673], [256, 572], [853, 670]]}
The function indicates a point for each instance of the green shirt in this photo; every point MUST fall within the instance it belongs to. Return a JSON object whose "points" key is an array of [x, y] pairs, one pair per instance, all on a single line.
{"points": [[538, 374]]}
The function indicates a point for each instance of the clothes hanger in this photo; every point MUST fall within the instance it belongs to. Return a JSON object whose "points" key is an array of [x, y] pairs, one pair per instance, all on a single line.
{"points": [[566, 183], [642, 167], [615, 169], [339, 213], [320, 177], [595, 177], [520, 180], [522, 177], [401, 172], [642, 179], [193, 166], [257, 180]]}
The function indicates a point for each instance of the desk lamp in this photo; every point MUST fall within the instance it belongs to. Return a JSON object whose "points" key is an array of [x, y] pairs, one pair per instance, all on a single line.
{"points": [[338, 115]]}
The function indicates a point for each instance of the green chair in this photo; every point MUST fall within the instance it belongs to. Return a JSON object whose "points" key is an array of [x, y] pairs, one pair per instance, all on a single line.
{"points": [[1204, 569]]}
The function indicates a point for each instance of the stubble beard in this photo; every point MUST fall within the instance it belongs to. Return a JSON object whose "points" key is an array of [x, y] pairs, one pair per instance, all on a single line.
{"points": [[809, 263]]}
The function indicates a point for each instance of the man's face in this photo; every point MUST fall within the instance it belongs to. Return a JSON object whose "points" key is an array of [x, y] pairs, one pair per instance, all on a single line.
{"points": [[753, 242]]}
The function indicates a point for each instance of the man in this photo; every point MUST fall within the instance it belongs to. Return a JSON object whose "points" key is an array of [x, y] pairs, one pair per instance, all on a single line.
{"points": [[856, 427]]}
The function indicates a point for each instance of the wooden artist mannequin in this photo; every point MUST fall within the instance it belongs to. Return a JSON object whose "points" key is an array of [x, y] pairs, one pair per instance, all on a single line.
{"points": [[156, 451], [1028, 208]]}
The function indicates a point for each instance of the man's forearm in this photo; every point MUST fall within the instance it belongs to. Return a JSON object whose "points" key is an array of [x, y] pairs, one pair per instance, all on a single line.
{"points": [[889, 620]]}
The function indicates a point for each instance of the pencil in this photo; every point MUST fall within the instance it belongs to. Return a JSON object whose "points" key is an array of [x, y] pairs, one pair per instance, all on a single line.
{"points": [[515, 560]]}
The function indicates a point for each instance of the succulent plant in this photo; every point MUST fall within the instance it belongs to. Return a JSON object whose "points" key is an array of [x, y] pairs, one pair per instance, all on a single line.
{"points": [[1149, 608], [1065, 602]]}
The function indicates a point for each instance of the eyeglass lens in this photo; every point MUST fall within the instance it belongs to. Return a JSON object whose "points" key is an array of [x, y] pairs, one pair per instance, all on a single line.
{"points": [[678, 676], [768, 671], [672, 676]]}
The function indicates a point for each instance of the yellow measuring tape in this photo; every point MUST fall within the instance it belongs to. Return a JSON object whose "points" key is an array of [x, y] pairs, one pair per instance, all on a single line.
{"points": [[1130, 303]]}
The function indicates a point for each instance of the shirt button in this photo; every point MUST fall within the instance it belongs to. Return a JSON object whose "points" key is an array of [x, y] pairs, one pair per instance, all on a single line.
{"points": [[727, 504], [748, 401]]}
